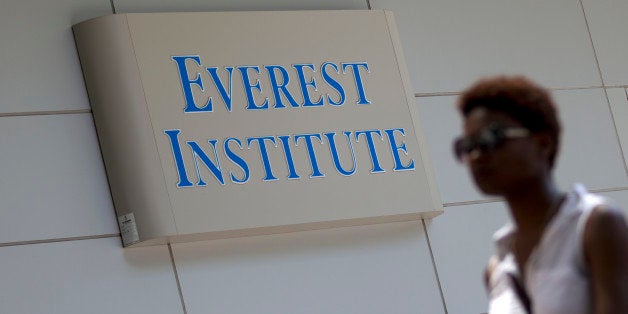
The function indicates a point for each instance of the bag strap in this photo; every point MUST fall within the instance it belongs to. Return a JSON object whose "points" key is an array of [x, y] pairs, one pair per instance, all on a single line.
{"points": [[521, 293]]}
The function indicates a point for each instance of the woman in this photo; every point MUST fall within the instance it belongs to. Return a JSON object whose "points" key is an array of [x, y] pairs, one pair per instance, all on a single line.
{"points": [[562, 252]]}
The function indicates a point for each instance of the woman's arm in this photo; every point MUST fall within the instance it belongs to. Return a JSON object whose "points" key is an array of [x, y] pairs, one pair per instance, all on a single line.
{"points": [[606, 251]]}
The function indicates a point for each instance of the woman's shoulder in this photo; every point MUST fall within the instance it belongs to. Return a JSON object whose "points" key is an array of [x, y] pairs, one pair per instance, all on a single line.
{"points": [[605, 225]]}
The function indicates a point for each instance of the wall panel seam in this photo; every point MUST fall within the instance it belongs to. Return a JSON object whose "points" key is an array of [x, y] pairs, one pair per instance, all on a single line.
{"points": [[429, 246], [617, 136], [44, 113], [473, 202], [435, 94], [497, 200], [608, 102], [55, 240], [586, 23], [176, 277]]}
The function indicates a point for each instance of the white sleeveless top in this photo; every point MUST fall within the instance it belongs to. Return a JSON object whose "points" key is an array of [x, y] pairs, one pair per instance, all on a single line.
{"points": [[557, 278]]}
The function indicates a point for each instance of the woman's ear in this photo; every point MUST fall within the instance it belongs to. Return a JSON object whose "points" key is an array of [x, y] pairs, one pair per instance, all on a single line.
{"points": [[547, 145]]}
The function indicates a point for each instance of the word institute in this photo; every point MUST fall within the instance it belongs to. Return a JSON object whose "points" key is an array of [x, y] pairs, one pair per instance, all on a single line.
{"points": [[213, 153]]}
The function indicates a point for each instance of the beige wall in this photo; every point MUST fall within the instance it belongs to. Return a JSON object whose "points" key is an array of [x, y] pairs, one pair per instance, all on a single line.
{"points": [[59, 243]]}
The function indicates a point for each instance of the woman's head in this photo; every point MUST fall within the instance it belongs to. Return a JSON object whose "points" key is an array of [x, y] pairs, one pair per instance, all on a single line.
{"points": [[512, 132]]}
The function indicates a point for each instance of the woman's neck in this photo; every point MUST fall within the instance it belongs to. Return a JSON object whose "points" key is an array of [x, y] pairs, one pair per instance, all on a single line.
{"points": [[533, 207]]}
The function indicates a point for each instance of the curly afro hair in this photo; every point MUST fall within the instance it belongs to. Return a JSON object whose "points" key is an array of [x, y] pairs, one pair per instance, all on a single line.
{"points": [[521, 99]]}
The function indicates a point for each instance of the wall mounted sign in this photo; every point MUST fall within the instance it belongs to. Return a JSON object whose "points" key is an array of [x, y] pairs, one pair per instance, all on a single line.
{"points": [[226, 124]]}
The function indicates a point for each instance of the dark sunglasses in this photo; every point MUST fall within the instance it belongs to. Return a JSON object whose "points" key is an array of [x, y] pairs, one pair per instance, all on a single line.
{"points": [[487, 140]]}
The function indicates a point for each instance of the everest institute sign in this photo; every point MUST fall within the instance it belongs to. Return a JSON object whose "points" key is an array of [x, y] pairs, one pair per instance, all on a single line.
{"points": [[216, 125]]}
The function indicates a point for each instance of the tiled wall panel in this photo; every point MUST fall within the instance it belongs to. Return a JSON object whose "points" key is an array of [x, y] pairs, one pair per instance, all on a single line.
{"points": [[39, 66], [618, 99], [53, 183], [449, 43], [620, 198], [369, 269], [88, 276], [608, 22], [441, 124], [461, 243], [133, 6], [590, 150]]}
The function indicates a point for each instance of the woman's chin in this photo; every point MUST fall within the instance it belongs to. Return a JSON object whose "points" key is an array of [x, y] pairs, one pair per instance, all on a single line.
{"points": [[490, 188]]}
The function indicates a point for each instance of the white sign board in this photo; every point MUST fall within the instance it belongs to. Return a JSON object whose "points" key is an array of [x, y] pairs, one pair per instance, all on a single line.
{"points": [[218, 125]]}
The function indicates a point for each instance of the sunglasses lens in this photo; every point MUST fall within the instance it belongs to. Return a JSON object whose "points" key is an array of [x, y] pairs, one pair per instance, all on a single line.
{"points": [[485, 144], [463, 146], [457, 149]]}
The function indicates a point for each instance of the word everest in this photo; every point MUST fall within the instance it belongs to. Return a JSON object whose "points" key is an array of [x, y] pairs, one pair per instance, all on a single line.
{"points": [[275, 76]]}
